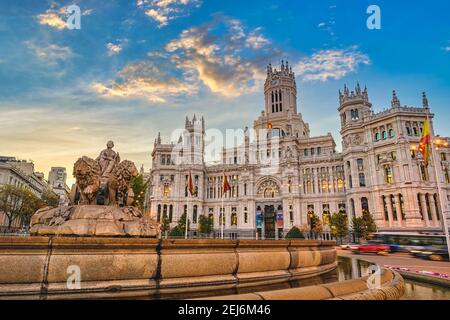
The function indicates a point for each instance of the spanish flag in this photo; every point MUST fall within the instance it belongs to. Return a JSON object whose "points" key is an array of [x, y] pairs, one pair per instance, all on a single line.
{"points": [[425, 142], [190, 185], [226, 184]]}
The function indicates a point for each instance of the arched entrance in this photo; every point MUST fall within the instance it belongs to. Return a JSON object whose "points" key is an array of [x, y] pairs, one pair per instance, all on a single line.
{"points": [[269, 209]]}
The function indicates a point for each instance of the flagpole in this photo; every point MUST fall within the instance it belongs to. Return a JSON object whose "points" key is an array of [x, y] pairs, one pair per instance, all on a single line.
{"points": [[222, 217], [438, 181], [187, 217]]}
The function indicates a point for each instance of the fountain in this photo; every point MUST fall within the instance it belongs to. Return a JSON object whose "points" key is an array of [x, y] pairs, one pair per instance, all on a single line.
{"points": [[101, 247]]}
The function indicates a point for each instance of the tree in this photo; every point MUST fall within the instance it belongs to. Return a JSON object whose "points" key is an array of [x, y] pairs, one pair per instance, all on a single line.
{"points": [[339, 225], [18, 203], [50, 198], [205, 225], [295, 233], [139, 188], [165, 224], [363, 226], [315, 225], [369, 223], [176, 232], [182, 224]]}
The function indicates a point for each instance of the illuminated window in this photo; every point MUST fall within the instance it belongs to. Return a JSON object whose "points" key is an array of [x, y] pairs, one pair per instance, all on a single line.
{"points": [[388, 175], [447, 176], [234, 219], [423, 172]]}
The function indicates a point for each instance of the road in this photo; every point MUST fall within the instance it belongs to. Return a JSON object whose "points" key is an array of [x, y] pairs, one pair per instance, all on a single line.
{"points": [[402, 260]]}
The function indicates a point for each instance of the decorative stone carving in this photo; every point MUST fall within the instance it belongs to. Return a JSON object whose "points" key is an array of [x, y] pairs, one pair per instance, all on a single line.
{"points": [[100, 202], [87, 220], [268, 189]]}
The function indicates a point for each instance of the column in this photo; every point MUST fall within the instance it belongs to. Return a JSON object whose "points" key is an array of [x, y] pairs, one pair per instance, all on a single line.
{"points": [[433, 209], [398, 206], [423, 203], [390, 212]]}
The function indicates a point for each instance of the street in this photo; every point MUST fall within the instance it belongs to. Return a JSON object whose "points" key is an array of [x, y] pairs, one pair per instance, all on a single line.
{"points": [[403, 260]]}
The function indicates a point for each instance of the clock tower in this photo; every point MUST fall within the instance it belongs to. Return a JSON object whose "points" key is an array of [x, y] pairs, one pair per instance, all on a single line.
{"points": [[280, 98], [280, 90]]}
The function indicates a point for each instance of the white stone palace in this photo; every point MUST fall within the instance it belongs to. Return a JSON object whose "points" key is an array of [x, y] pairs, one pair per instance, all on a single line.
{"points": [[379, 169]]}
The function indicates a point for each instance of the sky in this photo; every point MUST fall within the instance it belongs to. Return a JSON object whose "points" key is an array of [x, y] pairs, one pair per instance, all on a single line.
{"points": [[138, 67]]}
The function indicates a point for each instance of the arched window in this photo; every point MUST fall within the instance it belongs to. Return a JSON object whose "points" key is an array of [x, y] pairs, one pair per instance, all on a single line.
{"points": [[384, 135], [159, 213], [171, 213], [377, 136], [391, 133], [364, 204]]}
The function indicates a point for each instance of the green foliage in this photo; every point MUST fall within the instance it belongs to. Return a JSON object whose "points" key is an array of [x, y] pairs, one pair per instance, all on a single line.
{"points": [[205, 225], [139, 188], [295, 233], [50, 198], [339, 225], [18, 203], [176, 232], [182, 224], [315, 225], [363, 226], [369, 223], [165, 224]]}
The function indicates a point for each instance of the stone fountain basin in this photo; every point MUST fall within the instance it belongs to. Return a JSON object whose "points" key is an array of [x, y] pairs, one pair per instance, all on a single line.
{"points": [[39, 267]]}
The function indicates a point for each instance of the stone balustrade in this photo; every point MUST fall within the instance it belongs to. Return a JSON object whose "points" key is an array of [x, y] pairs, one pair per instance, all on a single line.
{"points": [[39, 267]]}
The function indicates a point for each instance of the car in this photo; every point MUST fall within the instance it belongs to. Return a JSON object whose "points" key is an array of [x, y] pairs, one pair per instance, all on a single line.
{"points": [[348, 246], [371, 248], [432, 253]]}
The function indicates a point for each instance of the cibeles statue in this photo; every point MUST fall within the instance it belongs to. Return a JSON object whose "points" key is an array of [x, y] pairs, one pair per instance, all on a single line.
{"points": [[108, 159], [101, 202]]}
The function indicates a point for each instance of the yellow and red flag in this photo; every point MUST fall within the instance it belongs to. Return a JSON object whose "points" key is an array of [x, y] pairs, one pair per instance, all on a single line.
{"points": [[226, 184], [190, 185], [425, 142]]}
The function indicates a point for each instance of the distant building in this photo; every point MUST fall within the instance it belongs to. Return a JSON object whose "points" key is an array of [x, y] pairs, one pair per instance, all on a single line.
{"points": [[57, 179], [20, 173], [379, 169]]}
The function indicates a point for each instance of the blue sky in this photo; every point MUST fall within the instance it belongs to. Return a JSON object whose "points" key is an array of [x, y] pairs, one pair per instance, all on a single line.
{"points": [[139, 67]]}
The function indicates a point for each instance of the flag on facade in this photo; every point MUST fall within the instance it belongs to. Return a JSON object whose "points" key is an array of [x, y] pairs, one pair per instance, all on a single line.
{"points": [[425, 142], [190, 185], [226, 184]]}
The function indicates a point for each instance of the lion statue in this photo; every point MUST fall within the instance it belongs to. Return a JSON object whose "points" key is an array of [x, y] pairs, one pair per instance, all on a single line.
{"points": [[87, 174], [120, 192]]}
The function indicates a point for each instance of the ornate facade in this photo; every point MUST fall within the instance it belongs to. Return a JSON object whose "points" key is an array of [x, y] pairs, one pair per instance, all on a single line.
{"points": [[275, 185]]}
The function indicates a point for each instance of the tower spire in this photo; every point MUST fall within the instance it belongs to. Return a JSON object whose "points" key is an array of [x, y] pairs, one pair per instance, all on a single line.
{"points": [[425, 100], [395, 101]]}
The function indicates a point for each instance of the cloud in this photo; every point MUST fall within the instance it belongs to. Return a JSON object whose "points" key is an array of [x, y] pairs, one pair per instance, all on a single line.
{"points": [[113, 48], [144, 80], [163, 11], [53, 19], [331, 64], [446, 49], [227, 63], [56, 17], [220, 55], [49, 52]]}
